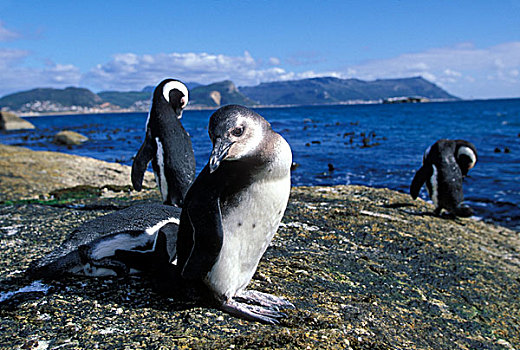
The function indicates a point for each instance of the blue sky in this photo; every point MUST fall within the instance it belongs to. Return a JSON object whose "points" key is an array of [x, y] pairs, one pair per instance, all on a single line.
{"points": [[470, 48]]}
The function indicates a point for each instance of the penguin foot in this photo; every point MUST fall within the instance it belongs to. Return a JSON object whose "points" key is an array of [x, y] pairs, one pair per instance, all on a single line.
{"points": [[263, 299], [463, 211], [252, 312]]}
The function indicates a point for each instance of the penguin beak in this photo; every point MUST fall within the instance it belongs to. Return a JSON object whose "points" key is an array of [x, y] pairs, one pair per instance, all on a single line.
{"points": [[219, 153]]}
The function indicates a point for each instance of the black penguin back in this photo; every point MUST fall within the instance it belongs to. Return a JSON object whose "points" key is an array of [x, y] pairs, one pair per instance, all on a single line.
{"points": [[178, 160], [446, 180]]}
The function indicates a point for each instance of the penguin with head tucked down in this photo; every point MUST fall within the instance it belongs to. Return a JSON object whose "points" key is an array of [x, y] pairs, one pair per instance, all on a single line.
{"points": [[167, 144], [445, 163], [141, 238], [233, 210]]}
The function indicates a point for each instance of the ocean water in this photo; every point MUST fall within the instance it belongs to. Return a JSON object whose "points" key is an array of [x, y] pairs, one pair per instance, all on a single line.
{"points": [[374, 145]]}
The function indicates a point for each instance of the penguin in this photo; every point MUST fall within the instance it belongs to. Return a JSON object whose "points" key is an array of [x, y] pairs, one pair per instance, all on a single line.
{"points": [[136, 239], [167, 144], [233, 210], [445, 164]]}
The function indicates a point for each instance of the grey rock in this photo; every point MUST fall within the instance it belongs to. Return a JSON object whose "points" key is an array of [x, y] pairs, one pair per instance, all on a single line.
{"points": [[67, 137], [27, 174], [10, 121]]}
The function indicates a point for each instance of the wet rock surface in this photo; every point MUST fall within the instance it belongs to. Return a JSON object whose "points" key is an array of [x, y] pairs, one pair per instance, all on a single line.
{"points": [[366, 269]]}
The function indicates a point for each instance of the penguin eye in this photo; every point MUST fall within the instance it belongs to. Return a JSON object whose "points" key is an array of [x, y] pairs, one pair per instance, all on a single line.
{"points": [[238, 131]]}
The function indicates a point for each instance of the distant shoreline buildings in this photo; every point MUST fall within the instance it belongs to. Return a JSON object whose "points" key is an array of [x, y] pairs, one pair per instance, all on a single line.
{"points": [[306, 92]]}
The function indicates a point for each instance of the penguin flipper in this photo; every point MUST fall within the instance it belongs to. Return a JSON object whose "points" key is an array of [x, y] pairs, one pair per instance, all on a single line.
{"points": [[208, 236], [119, 268], [149, 259], [423, 174], [141, 160]]}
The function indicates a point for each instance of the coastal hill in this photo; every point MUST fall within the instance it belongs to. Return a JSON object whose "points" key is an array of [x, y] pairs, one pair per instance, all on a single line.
{"points": [[126, 99], [49, 99], [218, 94], [314, 91], [134, 100], [331, 90], [366, 268], [201, 96]]}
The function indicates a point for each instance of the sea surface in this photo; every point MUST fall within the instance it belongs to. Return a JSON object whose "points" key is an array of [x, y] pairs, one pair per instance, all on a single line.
{"points": [[374, 145]]}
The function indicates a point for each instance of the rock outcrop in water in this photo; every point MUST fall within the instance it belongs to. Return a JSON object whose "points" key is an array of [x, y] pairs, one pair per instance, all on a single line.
{"points": [[366, 268], [69, 138], [10, 121]]}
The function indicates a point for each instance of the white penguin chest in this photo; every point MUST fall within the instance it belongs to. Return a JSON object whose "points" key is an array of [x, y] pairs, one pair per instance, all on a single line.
{"points": [[160, 177], [248, 229], [434, 185]]}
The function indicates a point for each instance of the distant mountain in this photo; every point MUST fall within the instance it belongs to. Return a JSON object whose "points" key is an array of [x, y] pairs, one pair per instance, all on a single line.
{"points": [[329, 90], [218, 94], [212, 95], [68, 97], [189, 85], [126, 99], [315, 91]]}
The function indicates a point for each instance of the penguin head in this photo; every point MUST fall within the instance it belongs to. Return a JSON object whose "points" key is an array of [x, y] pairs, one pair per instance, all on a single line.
{"points": [[466, 156], [236, 133], [174, 93]]}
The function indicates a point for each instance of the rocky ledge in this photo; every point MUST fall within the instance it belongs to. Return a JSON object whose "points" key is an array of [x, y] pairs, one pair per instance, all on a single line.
{"points": [[30, 175], [366, 268]]}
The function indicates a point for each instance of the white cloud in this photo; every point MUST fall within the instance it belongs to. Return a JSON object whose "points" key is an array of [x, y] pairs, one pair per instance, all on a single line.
{"points": [[274, 61], [130, 72], [6, 34], [17, 77], [451, 73], [463, 70], [9, 57]]}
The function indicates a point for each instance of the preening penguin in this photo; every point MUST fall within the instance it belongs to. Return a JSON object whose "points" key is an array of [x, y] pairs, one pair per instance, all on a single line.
{"points": [[233, 210], [466, 155], [445, 163], [139, 238], [167, 144]]}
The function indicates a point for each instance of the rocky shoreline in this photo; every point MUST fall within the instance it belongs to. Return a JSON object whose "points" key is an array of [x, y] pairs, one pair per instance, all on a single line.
{"points": [[32, 175], [366, 268]]}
